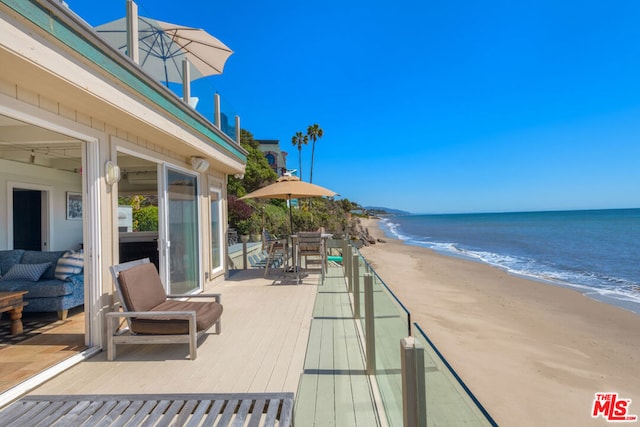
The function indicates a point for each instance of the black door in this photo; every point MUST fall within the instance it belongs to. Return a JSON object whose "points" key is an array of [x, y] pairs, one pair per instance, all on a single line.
{"points": [[27, 223]]}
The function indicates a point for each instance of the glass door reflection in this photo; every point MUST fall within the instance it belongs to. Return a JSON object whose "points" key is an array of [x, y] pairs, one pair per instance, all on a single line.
{"points": [[182, 219]]}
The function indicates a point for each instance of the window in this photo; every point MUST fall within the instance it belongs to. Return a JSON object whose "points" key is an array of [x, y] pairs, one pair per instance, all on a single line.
{"points": [[271, 159]]}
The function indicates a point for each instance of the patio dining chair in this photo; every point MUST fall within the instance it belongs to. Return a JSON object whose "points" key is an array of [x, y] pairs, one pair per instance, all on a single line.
{"points": [[277, 250], [153, 317], [311, 245]]}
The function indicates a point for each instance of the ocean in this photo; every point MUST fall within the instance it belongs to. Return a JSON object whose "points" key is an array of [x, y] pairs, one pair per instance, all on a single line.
{"points": [[594, 251]]}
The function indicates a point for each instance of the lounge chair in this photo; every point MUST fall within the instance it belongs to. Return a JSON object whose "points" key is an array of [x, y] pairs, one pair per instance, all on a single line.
{"points": [[257, 262], [153, 316]]}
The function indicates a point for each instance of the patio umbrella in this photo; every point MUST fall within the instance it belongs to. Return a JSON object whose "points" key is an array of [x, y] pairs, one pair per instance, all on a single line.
{"points": [[163, 47], [289, 187]]}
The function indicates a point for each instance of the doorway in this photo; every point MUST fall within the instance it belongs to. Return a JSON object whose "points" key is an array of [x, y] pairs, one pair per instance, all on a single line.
{"points": [[29, 219], [159, 208], [39, 168]]}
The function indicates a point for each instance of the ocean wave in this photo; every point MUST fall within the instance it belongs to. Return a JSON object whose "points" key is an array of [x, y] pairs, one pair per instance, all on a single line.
{"points": [[393, 229], [588, 283], [583, 281]]}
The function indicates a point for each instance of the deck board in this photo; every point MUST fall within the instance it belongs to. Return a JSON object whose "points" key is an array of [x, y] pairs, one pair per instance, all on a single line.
{"points": [[334, 389], [156, 410], [272, 321], [275, 338]]}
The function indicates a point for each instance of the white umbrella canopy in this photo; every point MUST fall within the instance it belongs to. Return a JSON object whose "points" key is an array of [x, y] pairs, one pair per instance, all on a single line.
{"points": [[290, 187], [163, 46]]}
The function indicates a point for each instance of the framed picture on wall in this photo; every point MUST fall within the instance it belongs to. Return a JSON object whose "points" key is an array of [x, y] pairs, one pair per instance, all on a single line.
{"points": [[74, 206]]}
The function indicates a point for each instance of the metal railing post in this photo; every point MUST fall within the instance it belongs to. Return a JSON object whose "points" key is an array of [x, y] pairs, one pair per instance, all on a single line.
{"points": [[369, 325], [356, 285], [244, 255], [414, 405], [238, 130], [133, 40], [217, 114], [348, 268]]}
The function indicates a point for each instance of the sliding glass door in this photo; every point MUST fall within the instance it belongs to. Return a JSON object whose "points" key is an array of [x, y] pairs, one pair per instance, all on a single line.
{"points": [[183, 251], [215, 196]]}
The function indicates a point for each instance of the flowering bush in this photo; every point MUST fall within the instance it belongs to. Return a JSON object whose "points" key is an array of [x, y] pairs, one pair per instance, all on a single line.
{"points": [[239, 214]]}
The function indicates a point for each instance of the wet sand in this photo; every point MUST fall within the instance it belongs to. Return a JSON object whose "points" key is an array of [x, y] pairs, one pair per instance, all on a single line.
{"points": [[533, 354]]}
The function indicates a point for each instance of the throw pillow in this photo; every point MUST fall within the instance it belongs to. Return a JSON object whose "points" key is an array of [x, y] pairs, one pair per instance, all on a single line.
{"points": [[72, 262], [30, 272]]}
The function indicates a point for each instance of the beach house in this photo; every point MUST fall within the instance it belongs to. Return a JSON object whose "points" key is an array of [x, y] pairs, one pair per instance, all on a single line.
{"points": [[87, 139], [102, 164], [275, 155]]}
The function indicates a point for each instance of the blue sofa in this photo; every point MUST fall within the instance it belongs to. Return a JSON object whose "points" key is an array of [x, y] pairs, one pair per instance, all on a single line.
{"points": [[48, 293]]}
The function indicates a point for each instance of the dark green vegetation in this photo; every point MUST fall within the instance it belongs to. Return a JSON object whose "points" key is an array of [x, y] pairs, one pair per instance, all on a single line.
{"points": [[144, 212], [253, 215]]}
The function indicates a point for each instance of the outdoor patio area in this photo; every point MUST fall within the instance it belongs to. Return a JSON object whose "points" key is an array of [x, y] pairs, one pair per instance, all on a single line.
{"points": [[267, 327]]}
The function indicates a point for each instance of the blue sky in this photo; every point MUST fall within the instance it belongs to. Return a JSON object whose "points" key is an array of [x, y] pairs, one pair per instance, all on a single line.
{"points": [[429, 107]]}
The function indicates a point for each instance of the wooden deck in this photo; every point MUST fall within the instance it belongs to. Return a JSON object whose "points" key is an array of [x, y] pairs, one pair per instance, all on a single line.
{"points": [[265, 328], [334, 388], [277, 337]]}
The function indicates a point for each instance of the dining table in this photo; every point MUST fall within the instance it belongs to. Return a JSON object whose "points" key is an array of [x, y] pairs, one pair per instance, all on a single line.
{"points": [[294, 252]]}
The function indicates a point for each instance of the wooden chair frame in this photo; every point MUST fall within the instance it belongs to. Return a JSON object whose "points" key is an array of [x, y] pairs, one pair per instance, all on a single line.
{"points": [[276, 249], [116, 336], [310, 244]]}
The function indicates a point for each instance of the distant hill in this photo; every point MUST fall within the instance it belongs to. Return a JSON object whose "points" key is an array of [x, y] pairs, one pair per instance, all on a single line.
{"points": [[385, 211]]}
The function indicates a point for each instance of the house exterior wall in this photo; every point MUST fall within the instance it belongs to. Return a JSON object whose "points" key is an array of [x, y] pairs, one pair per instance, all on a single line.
{"points": [[271, 149], [59, 76]]}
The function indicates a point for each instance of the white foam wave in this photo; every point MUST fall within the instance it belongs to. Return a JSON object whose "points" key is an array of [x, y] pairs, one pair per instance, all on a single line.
{"points": [[393, 229], [585, 282], [614, 289]]}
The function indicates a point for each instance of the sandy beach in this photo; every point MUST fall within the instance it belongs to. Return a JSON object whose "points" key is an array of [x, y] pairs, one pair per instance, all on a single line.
{"points": [[534, 354]]}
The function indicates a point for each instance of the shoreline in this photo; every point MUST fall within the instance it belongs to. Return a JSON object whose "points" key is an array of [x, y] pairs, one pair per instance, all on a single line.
{"points": [[587, 291], [582, 289], [533, 353]]}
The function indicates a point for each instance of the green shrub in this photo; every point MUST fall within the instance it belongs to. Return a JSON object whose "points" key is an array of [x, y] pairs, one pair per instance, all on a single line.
{"points": [[145, 218]]}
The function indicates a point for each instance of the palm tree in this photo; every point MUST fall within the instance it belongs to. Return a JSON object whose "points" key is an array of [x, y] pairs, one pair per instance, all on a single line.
{"points": [[299, 140], [313, 133]]}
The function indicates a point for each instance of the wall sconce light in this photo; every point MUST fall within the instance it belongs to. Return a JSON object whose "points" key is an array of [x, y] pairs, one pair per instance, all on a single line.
{"points": [[239, 176], [111, 172], [199, 164]]}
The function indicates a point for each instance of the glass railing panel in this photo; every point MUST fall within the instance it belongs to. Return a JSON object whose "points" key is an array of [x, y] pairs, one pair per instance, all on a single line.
{"points": [[362, 270], [228, 119], [392, 322], [391, 325], [448, 400]]}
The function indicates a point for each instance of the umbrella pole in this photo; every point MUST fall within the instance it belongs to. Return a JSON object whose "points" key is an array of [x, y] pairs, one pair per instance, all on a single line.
{"points": [[290, 217]]}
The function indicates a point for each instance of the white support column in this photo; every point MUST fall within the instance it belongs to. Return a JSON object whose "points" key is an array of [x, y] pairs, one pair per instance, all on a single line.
{"points": [[132, 31]]}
